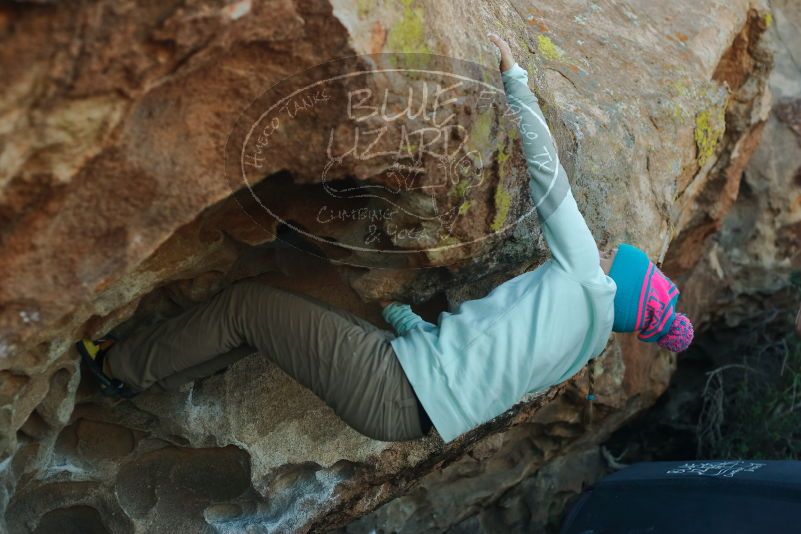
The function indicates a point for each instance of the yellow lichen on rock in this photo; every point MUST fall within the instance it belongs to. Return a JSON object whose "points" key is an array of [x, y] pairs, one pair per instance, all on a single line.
{"points": [[408, 35], [709, 128], [502, 202], [548, 49]]}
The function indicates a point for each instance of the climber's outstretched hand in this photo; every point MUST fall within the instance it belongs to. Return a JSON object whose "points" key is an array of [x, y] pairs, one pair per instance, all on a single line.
{"points": [[507, 60], [384, 303]]}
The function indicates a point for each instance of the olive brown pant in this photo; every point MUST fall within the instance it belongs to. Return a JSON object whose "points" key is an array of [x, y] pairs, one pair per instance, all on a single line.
{"points": [[345, 360]]}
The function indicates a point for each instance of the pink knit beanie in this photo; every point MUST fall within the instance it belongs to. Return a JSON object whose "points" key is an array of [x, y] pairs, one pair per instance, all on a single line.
{"points": [[645, 301]]}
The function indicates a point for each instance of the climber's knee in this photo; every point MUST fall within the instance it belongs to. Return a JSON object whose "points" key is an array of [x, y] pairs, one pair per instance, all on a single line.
{"points": [[245, 288], [242, 295]]}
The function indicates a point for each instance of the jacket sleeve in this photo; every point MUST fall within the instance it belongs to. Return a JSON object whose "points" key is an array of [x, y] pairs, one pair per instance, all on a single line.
{"points": [[572, 245], [403, 319]]}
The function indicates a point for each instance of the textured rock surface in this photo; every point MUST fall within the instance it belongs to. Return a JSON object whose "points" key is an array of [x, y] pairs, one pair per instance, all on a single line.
{"points": [[743, 290], [743, 269], [113, 206], [759, 243]]}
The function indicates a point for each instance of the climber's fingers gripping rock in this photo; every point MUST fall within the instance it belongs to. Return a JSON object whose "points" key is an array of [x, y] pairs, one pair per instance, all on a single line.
{"points": [[507, 59]]}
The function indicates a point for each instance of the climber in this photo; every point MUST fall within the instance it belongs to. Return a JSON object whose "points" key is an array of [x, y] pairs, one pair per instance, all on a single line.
{"points": [[533, 331]]}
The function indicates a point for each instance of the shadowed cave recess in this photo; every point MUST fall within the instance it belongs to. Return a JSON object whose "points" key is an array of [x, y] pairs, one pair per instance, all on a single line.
{"points": [[127, 110]]}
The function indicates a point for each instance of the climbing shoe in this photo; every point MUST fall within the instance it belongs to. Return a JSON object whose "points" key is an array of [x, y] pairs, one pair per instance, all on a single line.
{"points": [[92, 354]]}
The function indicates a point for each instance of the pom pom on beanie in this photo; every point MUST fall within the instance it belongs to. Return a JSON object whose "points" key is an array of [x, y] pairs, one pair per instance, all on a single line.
{"points": [[679, 336]]}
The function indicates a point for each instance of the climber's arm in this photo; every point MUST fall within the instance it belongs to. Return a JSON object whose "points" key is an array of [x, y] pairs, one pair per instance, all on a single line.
{"points": [[403, 319], [570, 240]]}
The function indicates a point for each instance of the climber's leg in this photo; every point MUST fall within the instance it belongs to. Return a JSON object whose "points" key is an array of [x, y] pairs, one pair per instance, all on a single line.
{"points": [[206, 368], [345, 360], [199, 335]]}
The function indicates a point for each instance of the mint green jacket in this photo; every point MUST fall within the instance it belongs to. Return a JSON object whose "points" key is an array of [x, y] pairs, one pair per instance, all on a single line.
{"points": [[531, 332]]}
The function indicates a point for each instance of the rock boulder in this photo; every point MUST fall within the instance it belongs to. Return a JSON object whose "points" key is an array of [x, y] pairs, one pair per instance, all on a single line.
{"points": [[116, 210]]}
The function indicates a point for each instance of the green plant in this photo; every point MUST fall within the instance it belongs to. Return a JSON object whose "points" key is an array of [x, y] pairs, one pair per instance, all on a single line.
{"points": [[752, 407]]}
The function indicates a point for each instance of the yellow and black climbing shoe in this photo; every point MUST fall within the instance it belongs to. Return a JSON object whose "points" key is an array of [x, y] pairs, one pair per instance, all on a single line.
{"points": [[92, 353]]}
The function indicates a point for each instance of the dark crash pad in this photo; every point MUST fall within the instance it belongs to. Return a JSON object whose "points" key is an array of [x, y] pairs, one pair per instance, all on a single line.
{"points": [[708, 496]]}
